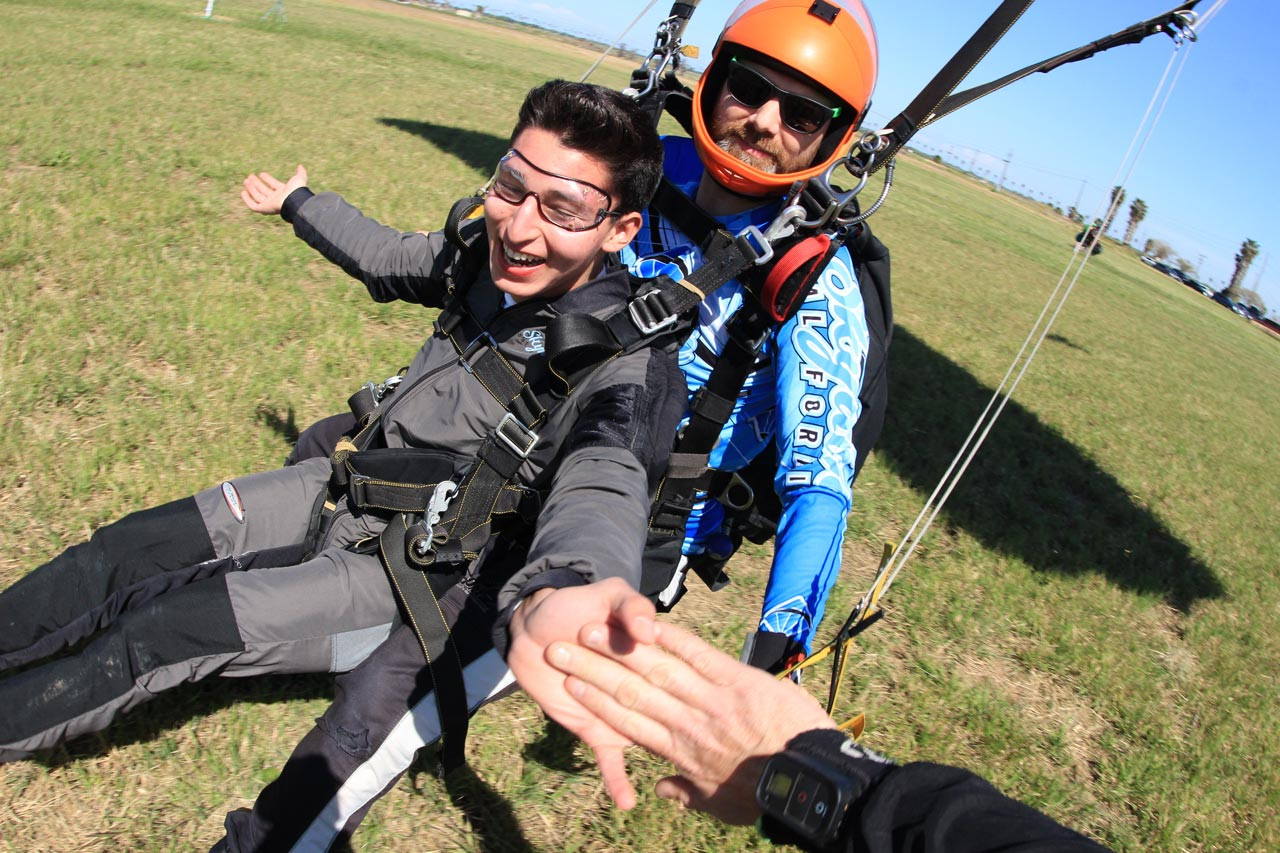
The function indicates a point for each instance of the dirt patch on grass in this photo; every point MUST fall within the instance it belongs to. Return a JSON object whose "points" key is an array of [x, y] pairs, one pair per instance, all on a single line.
{"points": [[1045, 704]]}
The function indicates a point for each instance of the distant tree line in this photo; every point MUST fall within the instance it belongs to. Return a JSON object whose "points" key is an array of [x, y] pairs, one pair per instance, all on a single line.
{"points": [[1154, 248]]}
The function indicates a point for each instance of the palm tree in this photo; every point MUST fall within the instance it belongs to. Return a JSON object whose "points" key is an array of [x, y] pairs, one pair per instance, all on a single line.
{"points": [[1248, 251], [1137, 213], [1117, 199]]}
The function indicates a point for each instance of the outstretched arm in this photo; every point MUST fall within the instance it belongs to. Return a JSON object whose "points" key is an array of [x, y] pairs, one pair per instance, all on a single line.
{"points": [[264, 193], [719, 721], [820, 360], [589, 543]]}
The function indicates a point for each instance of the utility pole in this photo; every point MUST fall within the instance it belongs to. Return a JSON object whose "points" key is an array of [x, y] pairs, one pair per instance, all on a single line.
{"points": [[1004, 171]]}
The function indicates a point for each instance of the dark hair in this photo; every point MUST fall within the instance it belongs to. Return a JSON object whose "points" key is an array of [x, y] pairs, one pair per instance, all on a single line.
{"points": [[605, 124]]}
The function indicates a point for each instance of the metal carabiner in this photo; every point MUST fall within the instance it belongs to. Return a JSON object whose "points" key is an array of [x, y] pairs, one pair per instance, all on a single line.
{"points": [[1183, 24], [441, 497], [440, 500]]}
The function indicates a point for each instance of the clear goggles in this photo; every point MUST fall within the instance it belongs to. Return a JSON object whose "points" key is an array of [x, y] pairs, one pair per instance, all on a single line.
{"points": [[566, 203]]}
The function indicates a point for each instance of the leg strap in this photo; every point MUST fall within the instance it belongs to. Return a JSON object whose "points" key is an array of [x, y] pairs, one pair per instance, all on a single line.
{"points": [[423, 614]]}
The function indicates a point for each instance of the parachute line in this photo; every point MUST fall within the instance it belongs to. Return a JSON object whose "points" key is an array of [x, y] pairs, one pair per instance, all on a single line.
{"points": [[1026, 354], [617, 41]]}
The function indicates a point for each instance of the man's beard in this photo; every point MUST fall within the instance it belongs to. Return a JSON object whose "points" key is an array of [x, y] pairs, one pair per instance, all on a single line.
{"points": [[731, 137]]}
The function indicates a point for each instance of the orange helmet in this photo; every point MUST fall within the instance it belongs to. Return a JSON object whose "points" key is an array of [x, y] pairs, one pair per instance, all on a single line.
{"points": [[831, 44]]}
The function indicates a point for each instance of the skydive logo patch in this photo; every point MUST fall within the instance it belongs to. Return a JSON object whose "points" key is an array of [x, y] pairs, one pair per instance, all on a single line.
{"points": [[534, 340], [232, 497]]}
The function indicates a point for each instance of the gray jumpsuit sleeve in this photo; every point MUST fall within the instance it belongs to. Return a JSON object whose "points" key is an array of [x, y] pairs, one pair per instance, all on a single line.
{"points": [[594, 522], [394, 265]]}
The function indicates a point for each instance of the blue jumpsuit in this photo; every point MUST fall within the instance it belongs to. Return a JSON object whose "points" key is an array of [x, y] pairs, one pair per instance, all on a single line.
{"points": [[804, 391]]}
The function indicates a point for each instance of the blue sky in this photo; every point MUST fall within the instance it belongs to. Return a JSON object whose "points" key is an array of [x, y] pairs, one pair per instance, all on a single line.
{"points": [[1207, 175]]}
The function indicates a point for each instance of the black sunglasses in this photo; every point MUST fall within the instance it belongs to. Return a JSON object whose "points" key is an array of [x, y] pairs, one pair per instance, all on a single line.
{"points": [[752, 89]]}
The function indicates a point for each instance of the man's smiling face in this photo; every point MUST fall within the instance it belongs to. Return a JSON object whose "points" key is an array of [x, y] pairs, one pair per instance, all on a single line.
{"points": [[757, 135], [529, 256]]}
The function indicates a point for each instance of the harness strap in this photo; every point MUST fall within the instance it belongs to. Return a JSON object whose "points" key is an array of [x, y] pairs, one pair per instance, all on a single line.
{"points": [[713, 404], [484, 493], [422, 612], [463, 211], [936, 99], [690, 219], [401, 479]]}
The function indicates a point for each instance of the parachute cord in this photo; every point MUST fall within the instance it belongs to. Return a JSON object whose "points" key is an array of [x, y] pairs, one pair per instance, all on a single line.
{"points": [[1013, 376], [1207, 16], [617, 41]]}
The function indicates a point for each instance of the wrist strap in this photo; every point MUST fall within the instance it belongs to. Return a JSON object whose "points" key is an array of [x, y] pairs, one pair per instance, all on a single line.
{"points": [[864, 767]]}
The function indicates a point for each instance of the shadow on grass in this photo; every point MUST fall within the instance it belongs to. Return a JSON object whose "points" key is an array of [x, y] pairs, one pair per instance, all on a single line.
{"points": [[286, 427], [478, 150], [488, 813], [1066, 342], [556, 750], [1029, 492]]}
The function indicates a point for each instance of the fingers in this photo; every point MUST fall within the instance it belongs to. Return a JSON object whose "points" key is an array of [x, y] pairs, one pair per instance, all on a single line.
{"points": [[629, 611], [620, 698], [613, 770], [692, 686], [702, 657], [269, 181], [257, 193], [769, 710], [637, 614], [679, 789]]}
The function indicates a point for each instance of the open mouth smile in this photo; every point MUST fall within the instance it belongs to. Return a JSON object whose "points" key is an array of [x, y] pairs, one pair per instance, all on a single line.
{"points": [[520, 259]]}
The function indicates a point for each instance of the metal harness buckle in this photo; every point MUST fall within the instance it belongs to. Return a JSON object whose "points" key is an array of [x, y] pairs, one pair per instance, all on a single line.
{"points": [[519, 433], [752, 239], [737, 494], [650, 318], [479, 343]]}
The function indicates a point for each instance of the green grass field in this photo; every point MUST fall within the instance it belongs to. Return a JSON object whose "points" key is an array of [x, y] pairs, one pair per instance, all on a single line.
{"points": [[1093, 623]]}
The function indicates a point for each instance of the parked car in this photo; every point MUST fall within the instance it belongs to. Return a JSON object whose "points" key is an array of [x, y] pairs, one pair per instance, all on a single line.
{"points": [[1221, 299], [1198, 286], [1173, 272]]}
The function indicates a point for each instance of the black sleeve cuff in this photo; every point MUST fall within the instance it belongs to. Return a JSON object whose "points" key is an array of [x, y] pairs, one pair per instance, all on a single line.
{"points": [[864, 767], [555, 579], [296, 199]]}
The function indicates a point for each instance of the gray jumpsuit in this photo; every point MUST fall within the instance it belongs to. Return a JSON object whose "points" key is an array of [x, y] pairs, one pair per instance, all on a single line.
{"points": [[223, 583]]}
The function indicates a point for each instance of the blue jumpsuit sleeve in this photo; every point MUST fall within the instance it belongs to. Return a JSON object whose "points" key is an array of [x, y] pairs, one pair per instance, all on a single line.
{"points": [[821, 356]]}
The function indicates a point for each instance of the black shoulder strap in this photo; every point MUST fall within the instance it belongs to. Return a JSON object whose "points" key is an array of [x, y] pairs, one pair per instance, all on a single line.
{"points": [[936, 99]]}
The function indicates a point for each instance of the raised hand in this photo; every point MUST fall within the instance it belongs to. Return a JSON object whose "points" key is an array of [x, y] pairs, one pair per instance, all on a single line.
{"points": [[716, 719], [264, 193]]}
